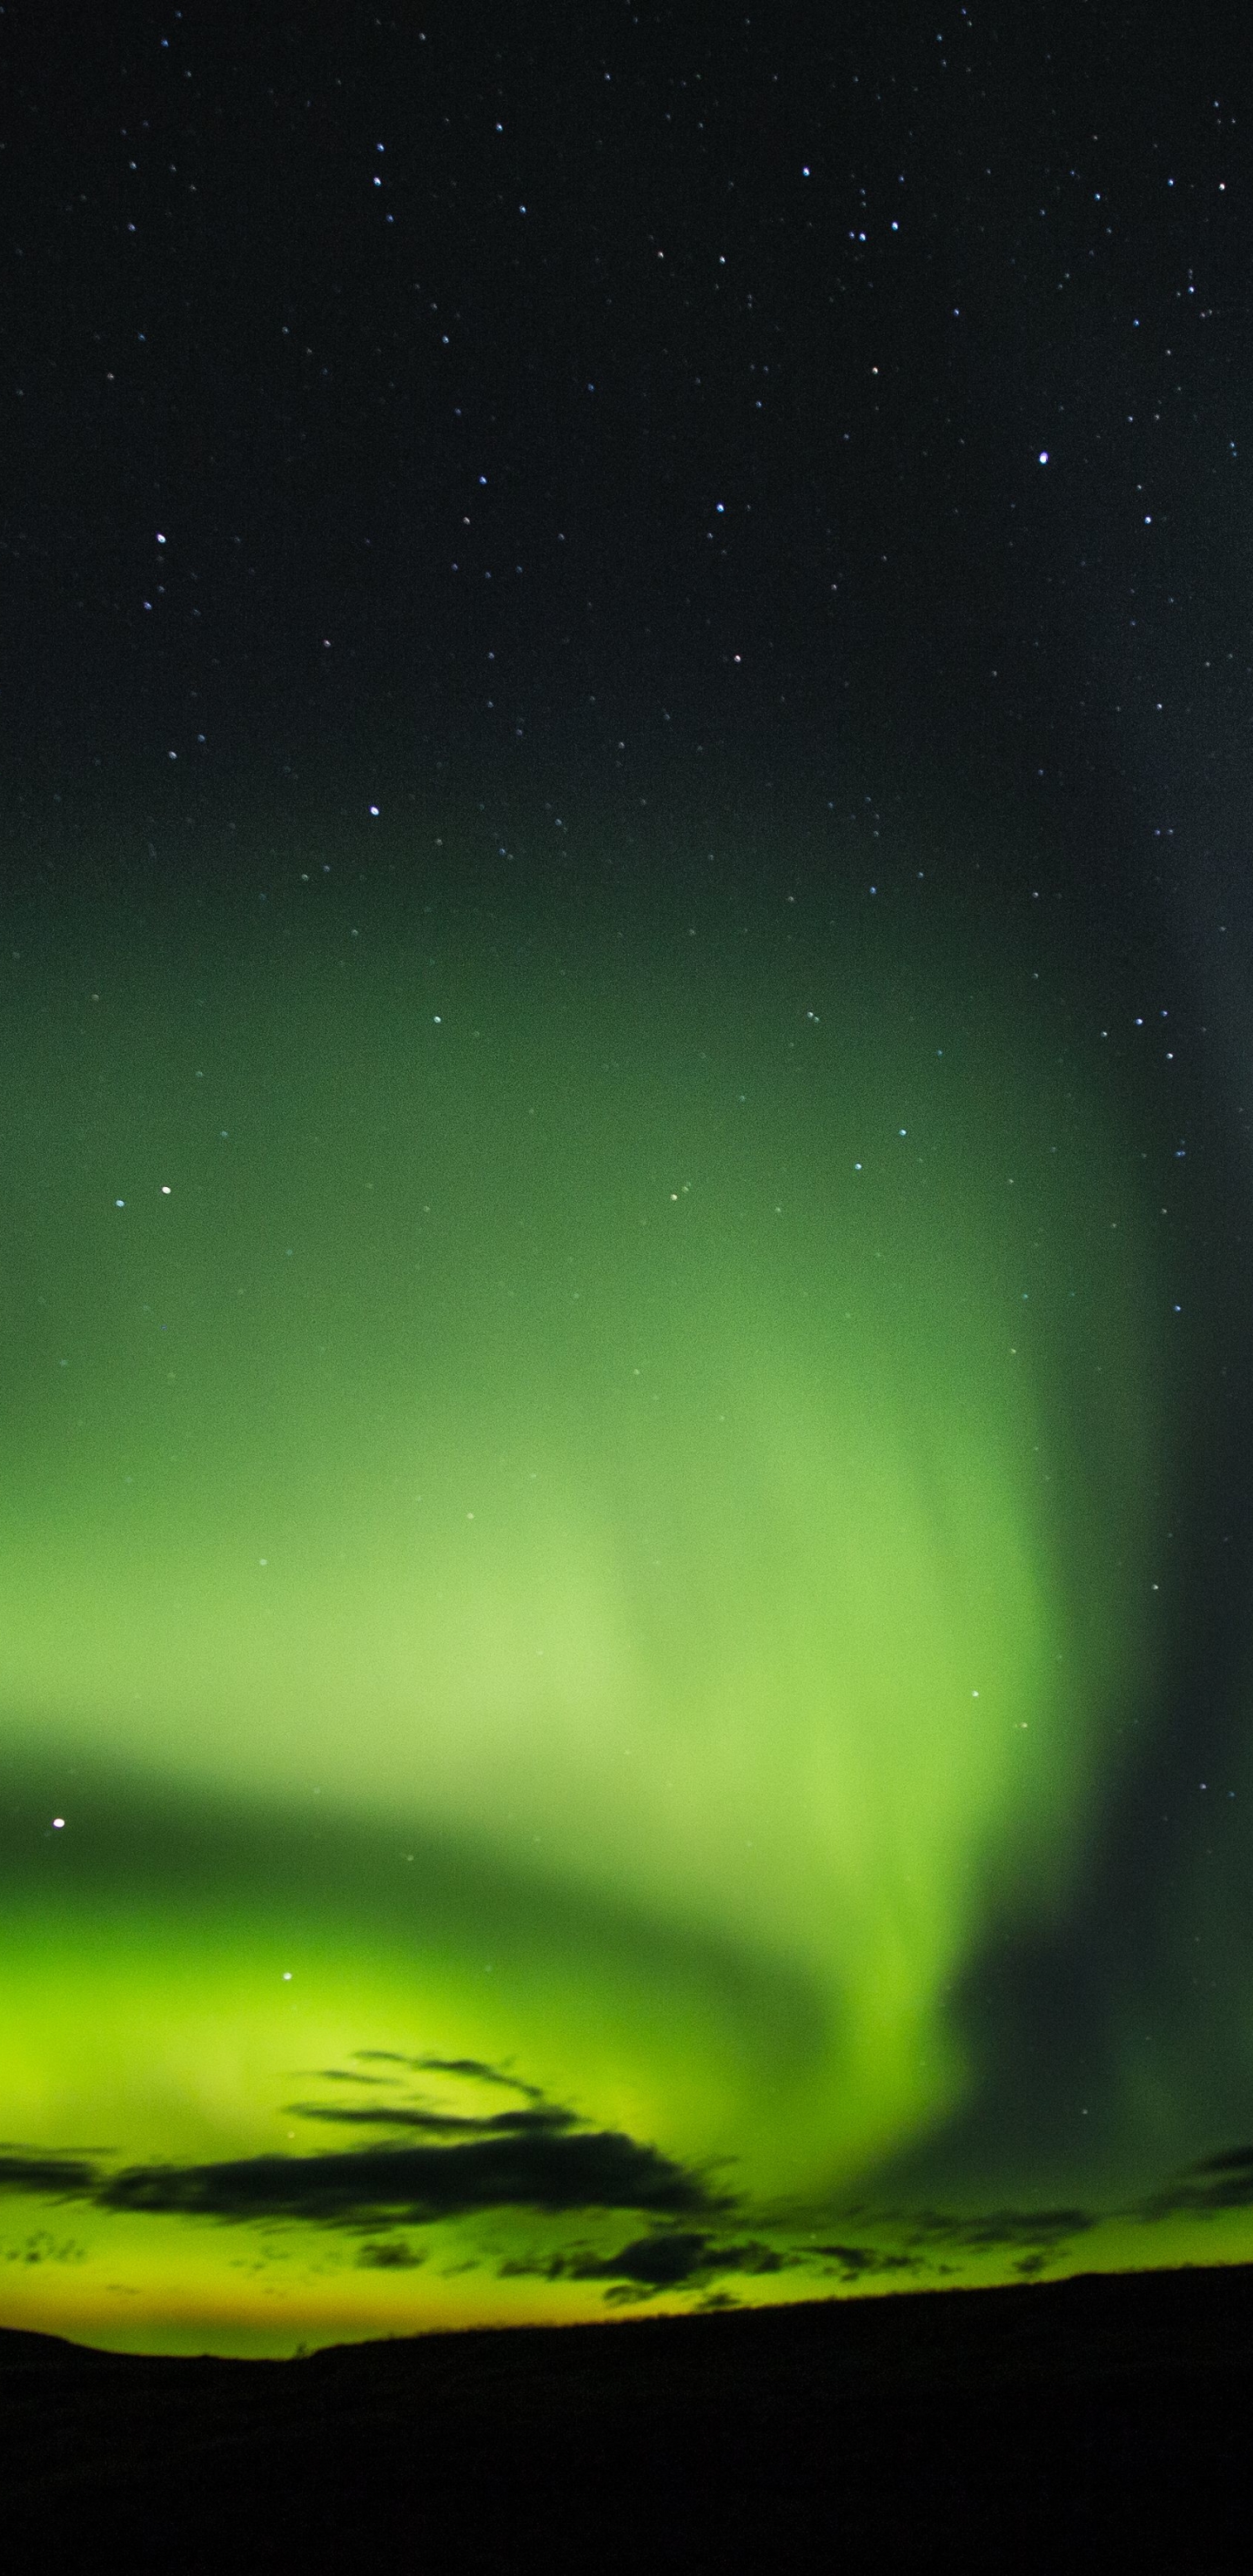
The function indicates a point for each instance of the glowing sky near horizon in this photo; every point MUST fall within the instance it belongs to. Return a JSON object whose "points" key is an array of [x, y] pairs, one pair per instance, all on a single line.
{"points": [[578, 1512]]}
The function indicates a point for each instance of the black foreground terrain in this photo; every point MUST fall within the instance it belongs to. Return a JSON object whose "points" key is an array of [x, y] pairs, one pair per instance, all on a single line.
{"points": [[1095, 2422]]}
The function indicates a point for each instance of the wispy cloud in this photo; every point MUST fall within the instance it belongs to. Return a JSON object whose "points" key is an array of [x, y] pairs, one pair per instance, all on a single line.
{"points": [[438, 2123], [347, 2075], [475, 2067], [1216, 2183], [991, 2230]]}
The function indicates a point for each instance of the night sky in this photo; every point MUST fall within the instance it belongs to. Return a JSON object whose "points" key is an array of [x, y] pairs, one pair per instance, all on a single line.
{"points": [[626, 1030]]}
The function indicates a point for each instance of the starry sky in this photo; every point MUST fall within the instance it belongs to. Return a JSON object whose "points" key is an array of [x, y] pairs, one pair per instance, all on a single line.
{"points": [[626, 1659]]}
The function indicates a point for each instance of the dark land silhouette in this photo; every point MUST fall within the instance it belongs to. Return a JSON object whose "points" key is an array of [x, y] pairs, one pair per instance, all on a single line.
{"points": [[1091, 2422]]}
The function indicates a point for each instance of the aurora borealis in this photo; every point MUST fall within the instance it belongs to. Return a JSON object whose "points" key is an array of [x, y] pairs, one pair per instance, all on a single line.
{"points": [[558, 1587], [625, 1547]]}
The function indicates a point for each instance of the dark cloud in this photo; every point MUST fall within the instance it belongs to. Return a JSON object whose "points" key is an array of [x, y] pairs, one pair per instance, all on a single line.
{"points": [[347, 2075], [475, 2067], [483, 2073], [988, 2231], [650, 2264], [1219, 2182], [523, 2157], [854, 2260], [42, 2248], [390, 2254], [543, 2171], [46, 2171], [661, 2261], [438, 2123], [1235, 2160]]}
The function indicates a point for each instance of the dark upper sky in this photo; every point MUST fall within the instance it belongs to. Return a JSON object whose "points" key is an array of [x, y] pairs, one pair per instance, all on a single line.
{"points": [[478, 381]]}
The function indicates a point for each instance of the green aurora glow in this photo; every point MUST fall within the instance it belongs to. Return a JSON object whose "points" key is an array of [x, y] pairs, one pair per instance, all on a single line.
{"points": [[580, 1502]]}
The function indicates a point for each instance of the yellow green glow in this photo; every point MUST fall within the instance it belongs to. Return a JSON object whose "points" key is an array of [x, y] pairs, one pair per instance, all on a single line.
{"points": [[538, 1424]]}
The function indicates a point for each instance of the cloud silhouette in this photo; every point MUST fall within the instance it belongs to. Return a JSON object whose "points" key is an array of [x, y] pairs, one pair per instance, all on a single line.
{"points": [[475, 2067], [854, 2260], [348, 2075], [1234, 2160], [438, 2123], [654, 2263], [390, 2254], [681, 2258], [539, 2171], [989, 2231], [1218, 2182], [45, 2170]]}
